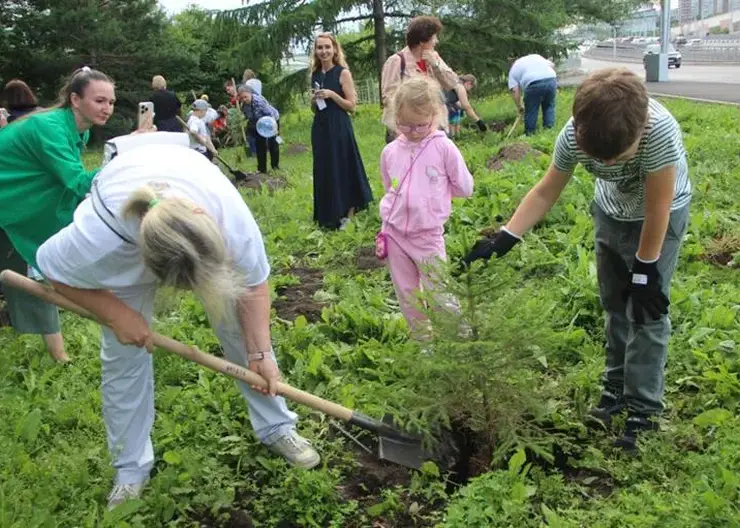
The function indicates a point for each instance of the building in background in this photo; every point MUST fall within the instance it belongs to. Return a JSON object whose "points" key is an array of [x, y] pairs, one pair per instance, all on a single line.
{"points": [[643, 22]]}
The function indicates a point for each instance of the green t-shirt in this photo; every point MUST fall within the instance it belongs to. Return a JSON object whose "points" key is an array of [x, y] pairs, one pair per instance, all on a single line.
{"points": [[42, 178]]}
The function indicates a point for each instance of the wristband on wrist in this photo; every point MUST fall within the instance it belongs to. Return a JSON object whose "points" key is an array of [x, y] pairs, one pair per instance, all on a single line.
{"points": [[653, 261], [257, 356]]}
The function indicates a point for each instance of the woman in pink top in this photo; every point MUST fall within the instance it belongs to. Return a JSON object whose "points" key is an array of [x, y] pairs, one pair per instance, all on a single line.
{"points": [[422, 171]]}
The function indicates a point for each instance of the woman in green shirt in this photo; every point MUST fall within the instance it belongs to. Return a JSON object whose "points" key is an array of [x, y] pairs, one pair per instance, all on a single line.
{"points": [[42, 180]]}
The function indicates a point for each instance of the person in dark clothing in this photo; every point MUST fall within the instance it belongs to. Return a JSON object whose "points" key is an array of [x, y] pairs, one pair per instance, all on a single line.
{"points": [[18, 99], [166, 106], [254, 107], [340, 186]]}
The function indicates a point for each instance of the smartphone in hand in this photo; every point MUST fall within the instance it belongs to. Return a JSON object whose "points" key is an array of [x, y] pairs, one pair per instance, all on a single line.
{"points": [[320, 103], [146, 115]]}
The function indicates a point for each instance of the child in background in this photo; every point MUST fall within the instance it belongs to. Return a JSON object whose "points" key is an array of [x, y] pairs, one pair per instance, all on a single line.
{"points": [[220, 127], [201, 138], [457, 102], [422, 171]]}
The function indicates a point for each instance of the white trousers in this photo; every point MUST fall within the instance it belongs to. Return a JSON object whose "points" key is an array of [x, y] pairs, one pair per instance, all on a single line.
{"points": [[128, 393]]}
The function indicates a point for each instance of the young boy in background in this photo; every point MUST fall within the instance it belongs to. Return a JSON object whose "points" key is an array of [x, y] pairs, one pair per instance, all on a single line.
{"points": [[457, 102], [200, 139], [633, 146]]}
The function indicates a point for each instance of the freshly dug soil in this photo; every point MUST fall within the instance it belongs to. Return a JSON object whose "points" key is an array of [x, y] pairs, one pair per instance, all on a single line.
{"points": [[298, 299], [514, 152], [255, 180], [4, 315], [296, 148], [720, 250], [503, 125], [372, 476], [366, 259]]}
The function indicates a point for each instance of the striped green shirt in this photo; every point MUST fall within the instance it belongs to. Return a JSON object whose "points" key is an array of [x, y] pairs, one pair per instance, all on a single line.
{"points": [[620, 188]]}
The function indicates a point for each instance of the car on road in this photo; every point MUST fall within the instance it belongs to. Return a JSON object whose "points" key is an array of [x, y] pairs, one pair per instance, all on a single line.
{"points": [[674, 57]]}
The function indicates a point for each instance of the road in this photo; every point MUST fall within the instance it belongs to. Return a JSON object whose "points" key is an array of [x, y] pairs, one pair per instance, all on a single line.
{"points": [[721, 73], [714, 83]]}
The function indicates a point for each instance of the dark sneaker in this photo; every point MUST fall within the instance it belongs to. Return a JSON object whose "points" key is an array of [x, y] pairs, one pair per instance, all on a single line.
{"points": [[636, 425], [609, 405]]}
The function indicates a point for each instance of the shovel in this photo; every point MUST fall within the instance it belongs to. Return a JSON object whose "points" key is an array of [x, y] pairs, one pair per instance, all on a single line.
{"points": [[513, 127], [394, 445], [238, 175]]}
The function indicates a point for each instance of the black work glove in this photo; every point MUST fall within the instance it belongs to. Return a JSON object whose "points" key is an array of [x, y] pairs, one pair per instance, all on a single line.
{"points": [[500, 244], [481, 125], [645, 292]]}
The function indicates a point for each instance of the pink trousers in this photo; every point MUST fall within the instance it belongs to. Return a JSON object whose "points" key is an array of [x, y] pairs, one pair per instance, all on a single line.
{"points": [[412, 263]]}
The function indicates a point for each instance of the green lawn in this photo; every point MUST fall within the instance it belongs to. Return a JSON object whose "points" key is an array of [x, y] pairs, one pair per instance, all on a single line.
{"points": [[520, 389]]}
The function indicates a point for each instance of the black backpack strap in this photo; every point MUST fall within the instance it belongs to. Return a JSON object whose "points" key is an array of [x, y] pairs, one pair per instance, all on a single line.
{"points": [[403, 64]]}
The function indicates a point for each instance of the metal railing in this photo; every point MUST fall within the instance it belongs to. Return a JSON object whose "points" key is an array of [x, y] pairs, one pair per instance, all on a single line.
{"points": [[704, 53]]}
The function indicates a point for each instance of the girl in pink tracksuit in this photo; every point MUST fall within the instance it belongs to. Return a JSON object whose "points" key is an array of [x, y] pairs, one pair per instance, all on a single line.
{"points": [[422, 171]]}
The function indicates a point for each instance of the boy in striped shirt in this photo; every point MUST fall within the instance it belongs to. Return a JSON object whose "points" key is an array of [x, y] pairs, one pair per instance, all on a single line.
{"points": [[633, 146]]}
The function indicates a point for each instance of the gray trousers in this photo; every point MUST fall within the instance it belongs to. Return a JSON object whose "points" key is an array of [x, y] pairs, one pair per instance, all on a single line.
{"points": [[128, 393], [636, 355]]}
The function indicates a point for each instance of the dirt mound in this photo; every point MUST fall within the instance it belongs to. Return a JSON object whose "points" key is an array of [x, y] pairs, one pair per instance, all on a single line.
{"points": [[509, 153], [501, 125], [255, 180], [366, 259], [4, 314], [298, 299], [722, 249], [296, 148]]}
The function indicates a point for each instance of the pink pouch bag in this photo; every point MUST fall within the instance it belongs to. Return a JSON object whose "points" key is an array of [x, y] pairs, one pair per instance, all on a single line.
{"points": [[381, 245]]}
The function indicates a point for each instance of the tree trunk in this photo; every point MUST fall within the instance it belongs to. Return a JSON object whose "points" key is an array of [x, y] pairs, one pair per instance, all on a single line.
{"points": [[380, 50]]}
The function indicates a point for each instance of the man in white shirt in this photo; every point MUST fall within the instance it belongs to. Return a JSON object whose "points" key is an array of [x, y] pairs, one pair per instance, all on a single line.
{"points": [[533, 79], [200, 139]]}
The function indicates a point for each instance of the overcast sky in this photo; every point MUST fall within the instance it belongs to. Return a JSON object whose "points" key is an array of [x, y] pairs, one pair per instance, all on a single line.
{"points": [[175, 6]]}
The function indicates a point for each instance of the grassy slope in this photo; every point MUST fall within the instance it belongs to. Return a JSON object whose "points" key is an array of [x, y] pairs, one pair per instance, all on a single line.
{"points": [[53, 462]]}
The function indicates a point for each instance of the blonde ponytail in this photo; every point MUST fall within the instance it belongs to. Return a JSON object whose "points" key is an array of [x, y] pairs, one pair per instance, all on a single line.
{"points": [[138, 203], [183, 246]]}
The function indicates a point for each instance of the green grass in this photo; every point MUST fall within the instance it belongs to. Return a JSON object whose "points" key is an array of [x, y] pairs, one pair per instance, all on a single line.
{"points": [[54, 466]]}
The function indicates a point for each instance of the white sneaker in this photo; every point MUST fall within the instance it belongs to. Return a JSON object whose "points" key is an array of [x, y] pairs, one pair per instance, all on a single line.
{"points": [[343, 223], [123, 492], [296, 450]]}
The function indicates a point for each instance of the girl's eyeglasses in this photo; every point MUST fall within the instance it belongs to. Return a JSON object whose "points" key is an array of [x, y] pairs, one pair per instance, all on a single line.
{"points": [[419, 129]]}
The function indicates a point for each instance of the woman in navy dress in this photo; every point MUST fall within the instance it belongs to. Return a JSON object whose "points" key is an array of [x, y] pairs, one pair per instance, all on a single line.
{"points": [[340, 186]]}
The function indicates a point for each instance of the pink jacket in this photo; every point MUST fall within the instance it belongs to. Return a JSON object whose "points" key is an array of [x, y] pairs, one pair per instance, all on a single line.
{"points": [[423, 203]]}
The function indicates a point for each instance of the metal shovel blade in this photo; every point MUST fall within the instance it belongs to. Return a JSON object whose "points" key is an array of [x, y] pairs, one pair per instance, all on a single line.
{"points": [[409, 454], [394, 445]]}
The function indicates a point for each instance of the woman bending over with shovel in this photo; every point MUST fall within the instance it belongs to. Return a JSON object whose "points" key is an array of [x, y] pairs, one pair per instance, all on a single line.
{"points": [[163, 214]]}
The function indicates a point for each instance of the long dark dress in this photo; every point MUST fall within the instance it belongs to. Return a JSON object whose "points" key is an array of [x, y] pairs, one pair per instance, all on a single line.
{"points": [[339, 179]]}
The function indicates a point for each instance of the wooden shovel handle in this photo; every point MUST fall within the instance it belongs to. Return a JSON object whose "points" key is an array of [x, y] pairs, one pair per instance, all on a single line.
{"points": [[190, 352], [513, 127]]}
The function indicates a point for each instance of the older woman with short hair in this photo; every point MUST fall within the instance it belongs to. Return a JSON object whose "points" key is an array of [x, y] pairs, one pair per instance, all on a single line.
{"points": [[418, 58]]}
